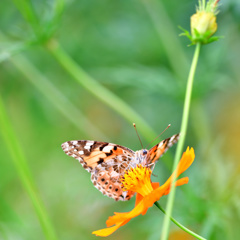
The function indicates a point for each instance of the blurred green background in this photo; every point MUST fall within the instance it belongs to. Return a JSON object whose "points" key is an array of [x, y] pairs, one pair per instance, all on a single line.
{"points": [[132, 49]]}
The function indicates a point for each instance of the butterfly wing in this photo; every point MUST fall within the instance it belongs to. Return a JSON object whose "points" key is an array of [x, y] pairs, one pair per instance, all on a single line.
{"points": [[158, 150], [106, 162]]}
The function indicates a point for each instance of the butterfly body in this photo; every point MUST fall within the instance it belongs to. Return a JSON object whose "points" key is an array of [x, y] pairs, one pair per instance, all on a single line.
{"points": [[107, 162]]}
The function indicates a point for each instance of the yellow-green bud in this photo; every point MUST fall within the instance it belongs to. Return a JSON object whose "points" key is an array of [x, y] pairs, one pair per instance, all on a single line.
{"points": [[203, 22]]}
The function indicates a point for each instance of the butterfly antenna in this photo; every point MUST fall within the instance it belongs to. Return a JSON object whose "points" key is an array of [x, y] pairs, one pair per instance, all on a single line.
{"points": [[134, 125], [169, 125]]}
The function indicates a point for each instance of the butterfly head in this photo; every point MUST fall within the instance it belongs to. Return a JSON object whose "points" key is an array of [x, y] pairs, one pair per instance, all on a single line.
{"points": [[144, 152], [141, 156]]}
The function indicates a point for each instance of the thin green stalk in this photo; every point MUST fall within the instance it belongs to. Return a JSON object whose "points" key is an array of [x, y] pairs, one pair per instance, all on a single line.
{"points": [[27, 10], [61, 103], [179, 224], [24, 172], [180, 145], [99, 91], [203, 3]]}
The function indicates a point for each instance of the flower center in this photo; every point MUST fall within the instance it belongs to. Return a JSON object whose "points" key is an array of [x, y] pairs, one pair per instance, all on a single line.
{"points": [[138, 180]]}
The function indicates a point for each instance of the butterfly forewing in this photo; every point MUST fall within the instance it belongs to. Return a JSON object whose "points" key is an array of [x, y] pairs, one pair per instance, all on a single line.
{"points": [[158, 150], [106, 162], [92, 153]]}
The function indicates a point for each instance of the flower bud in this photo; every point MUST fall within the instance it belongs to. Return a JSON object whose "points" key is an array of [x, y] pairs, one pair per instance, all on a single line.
{"points": [[203, 24]]}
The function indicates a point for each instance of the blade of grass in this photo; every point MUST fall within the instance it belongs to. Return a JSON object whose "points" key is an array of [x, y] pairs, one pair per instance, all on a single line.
{"points": [[99, 91], [26, 9], [179, 150], [24, 172]]}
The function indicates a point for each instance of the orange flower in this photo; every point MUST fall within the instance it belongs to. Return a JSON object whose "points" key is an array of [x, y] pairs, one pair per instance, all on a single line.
{"points": [[138, 180]]}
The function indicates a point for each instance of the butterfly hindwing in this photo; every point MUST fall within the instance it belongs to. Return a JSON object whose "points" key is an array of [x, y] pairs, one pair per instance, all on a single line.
{"points": [[109, 184]]}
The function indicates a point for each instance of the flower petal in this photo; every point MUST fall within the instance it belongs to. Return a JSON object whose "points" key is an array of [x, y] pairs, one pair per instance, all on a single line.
{"points": [[182, 181], [183, 165], [179, 182], [139, 198], [108, 231], [120, 217], [155, 185], [186, 161], [117, 218]]}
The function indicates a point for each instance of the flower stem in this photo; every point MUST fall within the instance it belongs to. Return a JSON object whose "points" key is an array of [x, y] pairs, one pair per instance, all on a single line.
{"points": [[179, 224], [26, 9], [24, 173], [180, 145]]}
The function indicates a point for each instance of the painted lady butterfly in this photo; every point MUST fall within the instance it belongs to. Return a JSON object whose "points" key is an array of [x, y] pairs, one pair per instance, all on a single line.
{"points": [[107, 162]]}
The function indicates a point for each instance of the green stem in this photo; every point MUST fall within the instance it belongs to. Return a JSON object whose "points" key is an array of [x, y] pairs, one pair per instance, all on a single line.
{"points": [[24, 172], [203, 4], [99, 91], [28, 12], [180, 145], [179, 224]]}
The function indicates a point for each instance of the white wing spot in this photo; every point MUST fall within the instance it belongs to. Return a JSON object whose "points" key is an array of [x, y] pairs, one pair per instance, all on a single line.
{"points": [[81, 152], [65, 145], [160, 144], [114, 174], [89, 143], [107, 148], [171, 139], [87, 147], [124, 193], [74, 142]]}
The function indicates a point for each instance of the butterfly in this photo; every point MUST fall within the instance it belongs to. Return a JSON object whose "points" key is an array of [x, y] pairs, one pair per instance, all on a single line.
{"points": [[107, 162]]}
